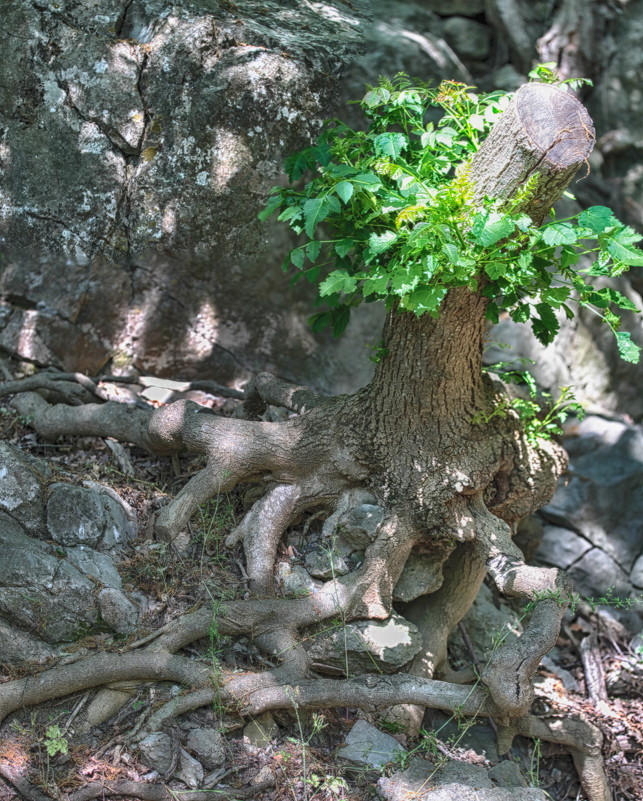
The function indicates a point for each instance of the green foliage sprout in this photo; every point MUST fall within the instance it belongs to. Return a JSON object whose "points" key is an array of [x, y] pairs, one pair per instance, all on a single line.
{"points": [[388, 214], [542, 417], [55, 742]]}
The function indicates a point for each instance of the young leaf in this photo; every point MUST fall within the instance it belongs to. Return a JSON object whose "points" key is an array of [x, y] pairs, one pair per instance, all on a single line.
{"points": [[376, 285], [313, 249], [376, 97], [339, 319], [317, 209], [272, 204], [345, 190], [559, 234], [521, 313], [597, 219], [390, 144], [367, 180], [337, 282], [378, 243], [343, 247], [319, 321], [629, 351], [490, 227], [621, 249], [425, 299], [297, 257], [545, 327]]}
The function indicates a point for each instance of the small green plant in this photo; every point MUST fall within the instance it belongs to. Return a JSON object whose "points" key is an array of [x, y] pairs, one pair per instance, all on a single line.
{"points": [[55, 742], [542, 416], [534, 764], [400, 222]]}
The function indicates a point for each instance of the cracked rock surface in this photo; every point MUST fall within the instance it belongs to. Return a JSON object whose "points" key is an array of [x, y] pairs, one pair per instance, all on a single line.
{"points": [[138, 141]]}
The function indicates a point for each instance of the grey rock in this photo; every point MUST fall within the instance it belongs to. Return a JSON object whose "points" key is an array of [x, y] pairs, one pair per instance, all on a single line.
{"points": [[360, 525], [261, 731], [458, 772], [325, 564], [296, 581], [83, 516], [19, 647], [39, 592], [367, 745], [21, 486], [98, 565], [117, 610], [423, 782], [636, 576], [602, 502], [561, 547], [484, 623], [208, 745], [189, 770], [366, 646], [421, 575], [507, 774], [156, 752], [596, 572], [468, 38]]}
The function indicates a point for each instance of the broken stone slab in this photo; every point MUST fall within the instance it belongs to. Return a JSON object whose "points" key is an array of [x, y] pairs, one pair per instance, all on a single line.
{"points": [[602, 503], [423, 782], [189, 770], [467, 8], [261, 731], [209, 746], [507, 774], [366, 745], [95, 517], [366, 646], [596, 572], [561, 547], [22, 480]]}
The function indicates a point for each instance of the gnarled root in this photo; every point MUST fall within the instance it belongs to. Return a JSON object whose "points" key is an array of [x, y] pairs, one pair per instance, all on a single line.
{"points": [[312, 462]]}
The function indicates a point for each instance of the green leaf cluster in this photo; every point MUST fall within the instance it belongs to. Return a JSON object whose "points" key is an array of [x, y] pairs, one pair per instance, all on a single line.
{"points": [[542, 416], [388, 214]]}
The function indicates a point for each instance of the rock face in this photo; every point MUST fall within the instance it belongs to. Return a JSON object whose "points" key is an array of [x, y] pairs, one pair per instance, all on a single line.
{"points": [[594, 521], [138, 143]]}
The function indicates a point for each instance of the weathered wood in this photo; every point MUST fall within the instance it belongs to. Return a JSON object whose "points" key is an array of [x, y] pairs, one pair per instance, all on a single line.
{"points": [[545, 132]]}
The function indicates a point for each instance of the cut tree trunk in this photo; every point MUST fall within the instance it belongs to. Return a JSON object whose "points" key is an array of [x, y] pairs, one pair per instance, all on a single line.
{"points": [[409, 438]]}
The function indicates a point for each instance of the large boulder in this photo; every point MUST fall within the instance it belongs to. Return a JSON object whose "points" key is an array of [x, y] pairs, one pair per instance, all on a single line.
{"points": [[138, 142]]}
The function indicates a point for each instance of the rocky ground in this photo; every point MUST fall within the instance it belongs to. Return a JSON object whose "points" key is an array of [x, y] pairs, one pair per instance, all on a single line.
{"points": [[84, 508]]}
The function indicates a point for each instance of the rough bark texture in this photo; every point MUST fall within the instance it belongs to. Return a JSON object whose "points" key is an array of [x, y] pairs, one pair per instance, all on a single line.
{"points": [[410, 439]]}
